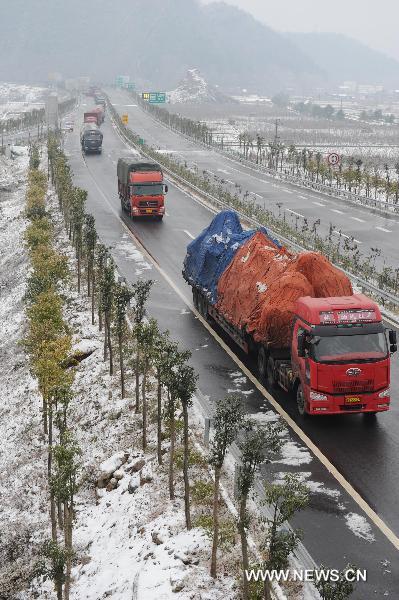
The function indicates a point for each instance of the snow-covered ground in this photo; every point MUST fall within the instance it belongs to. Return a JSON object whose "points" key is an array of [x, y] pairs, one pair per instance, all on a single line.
{"points": [[16, 99], [195, 89]]}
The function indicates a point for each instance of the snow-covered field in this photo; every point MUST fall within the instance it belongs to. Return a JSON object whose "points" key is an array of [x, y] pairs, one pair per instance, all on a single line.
{"points": [[16, 99]]}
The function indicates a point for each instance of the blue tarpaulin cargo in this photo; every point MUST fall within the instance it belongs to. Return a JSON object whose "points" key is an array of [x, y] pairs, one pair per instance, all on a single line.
{"points": [[212, 251]]}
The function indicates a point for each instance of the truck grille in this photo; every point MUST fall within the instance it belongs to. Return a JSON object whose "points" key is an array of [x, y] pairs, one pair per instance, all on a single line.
{"points": [[357, 386], [148, 203]]}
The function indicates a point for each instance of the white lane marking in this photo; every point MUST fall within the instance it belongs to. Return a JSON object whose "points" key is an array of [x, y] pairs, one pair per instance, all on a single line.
{"points": [[224, 171], [383, 229], [372, 515], [189, 234], [304, 197], [231, 182], [359, 220], [288, 191], [295, 213], [318, 203], [346, 236], [258, 195], [339, 212]]}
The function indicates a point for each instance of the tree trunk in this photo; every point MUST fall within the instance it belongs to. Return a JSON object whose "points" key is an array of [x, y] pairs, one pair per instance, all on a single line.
{"points": [[144, 404], [68, 547], [59, 515], [49, 466], [79, 265], [109, 340], [121, 365], [172, 450], [244, 544], [45, 422], [185, 468], [93, 302], [105, 339], [89, 267], [215, 540], [137, 373], [100, 314], [159, 421]]}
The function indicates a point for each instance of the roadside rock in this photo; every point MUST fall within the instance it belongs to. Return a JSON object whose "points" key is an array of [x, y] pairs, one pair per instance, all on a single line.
{"points": [[137, 465], [146, 475], [112, 484], [109, 466], [134, 483]]}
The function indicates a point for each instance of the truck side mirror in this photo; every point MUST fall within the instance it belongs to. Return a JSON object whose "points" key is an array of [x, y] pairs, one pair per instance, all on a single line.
{"points": [[166, 189], [392, 341], [302, 345]]}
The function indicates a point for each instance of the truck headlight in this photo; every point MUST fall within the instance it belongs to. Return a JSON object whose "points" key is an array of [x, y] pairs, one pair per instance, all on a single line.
{"points": [[317, 396], [385, 394]]}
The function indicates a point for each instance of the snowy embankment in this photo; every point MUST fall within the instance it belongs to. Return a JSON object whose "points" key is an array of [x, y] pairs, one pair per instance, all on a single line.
{"points": [[130, 539]]}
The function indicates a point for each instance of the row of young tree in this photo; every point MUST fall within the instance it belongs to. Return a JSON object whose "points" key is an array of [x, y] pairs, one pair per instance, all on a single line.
{"points": [[311, 109], [339, 249], [352, 174], [48, 343]]}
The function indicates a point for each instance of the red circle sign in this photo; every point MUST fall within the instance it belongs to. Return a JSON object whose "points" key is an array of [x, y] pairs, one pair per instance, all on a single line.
{"points": [[333, 159]]}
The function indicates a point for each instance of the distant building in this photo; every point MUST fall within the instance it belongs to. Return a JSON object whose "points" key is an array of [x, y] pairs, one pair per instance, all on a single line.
{"points": [[52, 118]]}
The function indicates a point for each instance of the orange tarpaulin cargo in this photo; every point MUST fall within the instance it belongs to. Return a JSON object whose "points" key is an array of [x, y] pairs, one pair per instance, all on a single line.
{"points": [[260, 287]]}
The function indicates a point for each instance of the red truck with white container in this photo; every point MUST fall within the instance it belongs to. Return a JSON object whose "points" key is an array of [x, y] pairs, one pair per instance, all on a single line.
{"points": [[141, 188], [296, 314], [94, 116]]}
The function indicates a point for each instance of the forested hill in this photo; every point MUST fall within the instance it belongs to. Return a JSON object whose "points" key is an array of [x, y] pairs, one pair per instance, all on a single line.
{"points": [[155, 41]]}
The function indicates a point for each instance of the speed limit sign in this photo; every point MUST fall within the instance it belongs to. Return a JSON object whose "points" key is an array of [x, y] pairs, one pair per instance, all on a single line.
{"points": [[333, 159]]}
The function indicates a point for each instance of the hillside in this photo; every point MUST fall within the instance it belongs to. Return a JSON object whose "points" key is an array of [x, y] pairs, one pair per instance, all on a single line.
{"points": [[157, 41], [346, 59], [193, 88]]}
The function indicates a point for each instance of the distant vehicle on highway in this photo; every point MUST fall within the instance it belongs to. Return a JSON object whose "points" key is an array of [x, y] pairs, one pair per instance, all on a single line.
{"points": [[141, 188], [68, 126], [91, 138]]}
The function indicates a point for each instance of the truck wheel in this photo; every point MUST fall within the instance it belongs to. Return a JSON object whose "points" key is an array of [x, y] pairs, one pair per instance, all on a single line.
{"points": [[300, 401], [270, 374], [262, 364], [159, 217]]}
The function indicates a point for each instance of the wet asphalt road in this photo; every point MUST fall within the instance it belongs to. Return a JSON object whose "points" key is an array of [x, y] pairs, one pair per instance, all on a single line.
{"points": [[365, 452]]}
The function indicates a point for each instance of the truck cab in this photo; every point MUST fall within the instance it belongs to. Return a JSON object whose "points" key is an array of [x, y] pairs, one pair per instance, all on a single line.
{"points": [[141, 188], [340, 357]]}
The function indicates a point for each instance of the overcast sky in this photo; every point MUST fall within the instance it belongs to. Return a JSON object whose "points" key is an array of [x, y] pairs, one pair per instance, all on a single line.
{"points": [[374, 22]]}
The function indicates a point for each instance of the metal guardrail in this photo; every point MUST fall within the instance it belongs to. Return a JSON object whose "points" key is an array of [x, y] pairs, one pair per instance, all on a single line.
{"points": [[364, 285]]}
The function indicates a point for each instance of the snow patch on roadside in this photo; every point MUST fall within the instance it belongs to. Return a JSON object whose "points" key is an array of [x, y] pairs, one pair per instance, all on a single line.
{"points": [[127, 250], [359, 526]]}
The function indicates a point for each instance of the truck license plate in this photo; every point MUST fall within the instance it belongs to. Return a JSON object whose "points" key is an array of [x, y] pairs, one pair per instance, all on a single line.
{"points": [[352, 399], [148, 210]]}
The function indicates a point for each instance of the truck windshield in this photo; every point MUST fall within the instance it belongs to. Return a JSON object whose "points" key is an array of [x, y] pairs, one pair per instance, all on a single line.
{"points": [[356, 348], [154, 189]]}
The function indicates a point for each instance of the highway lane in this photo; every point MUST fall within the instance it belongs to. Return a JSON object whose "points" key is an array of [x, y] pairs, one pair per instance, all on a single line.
{"points": [[369, 229], [359, 450]]}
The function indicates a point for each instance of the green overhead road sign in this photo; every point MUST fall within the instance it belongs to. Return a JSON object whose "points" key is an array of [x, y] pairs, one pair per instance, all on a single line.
{"points": [[154, 97], [131, 86]]}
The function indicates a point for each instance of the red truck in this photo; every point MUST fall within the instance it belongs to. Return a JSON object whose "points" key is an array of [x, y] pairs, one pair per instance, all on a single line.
{"points": [[298, 318], [94, 116], [141, 188]]}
